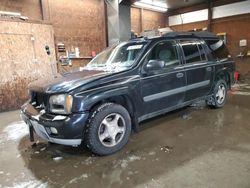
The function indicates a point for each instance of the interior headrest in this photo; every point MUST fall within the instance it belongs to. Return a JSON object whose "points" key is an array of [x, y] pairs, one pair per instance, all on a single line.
{"points": [[165, 54]]}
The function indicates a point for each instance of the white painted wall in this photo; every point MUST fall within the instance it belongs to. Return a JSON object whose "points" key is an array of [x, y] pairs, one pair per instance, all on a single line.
{"points": [[231, 9], [218, 12], [189, 17]]}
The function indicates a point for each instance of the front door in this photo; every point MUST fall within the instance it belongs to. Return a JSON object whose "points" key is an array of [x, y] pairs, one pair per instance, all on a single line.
{"points": [[164, 87]]}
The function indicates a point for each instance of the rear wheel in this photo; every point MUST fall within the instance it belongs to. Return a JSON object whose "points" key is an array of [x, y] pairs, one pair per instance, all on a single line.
{"points": [[219, 96], [108, 129]]}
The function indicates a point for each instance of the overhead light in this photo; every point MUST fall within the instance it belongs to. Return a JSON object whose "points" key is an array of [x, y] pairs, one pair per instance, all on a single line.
{"points": [[152, 5], [13, 14]]}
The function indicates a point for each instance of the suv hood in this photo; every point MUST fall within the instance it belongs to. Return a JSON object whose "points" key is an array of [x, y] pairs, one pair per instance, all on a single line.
{"points": [[66, 82]]}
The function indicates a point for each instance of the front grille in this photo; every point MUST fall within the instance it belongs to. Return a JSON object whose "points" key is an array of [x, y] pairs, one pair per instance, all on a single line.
{"points": [[38, 99]]}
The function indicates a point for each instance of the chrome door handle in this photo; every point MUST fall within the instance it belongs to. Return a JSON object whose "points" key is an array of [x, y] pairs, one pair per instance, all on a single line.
{"points": [[209, 69], [179, 75]]}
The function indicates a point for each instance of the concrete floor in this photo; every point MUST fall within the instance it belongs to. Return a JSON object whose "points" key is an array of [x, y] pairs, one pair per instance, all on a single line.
{"points": [[191, 147]]}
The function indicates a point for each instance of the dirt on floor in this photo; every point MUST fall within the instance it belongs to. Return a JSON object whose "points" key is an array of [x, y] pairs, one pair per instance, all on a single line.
{"points": [[192, 147]]}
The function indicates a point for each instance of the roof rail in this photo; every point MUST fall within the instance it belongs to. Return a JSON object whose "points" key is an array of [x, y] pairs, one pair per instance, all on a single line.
{"points": [[201, 34]]}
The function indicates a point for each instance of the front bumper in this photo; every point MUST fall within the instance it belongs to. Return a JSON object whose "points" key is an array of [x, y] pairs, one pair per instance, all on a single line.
{"points": [[69, 128]]}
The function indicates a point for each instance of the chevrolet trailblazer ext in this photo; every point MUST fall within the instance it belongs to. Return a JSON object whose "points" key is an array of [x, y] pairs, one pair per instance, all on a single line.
{"points": [[125, 84]]}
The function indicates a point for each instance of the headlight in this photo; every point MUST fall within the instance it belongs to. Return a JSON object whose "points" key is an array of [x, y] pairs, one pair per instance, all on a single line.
{"points": [[61, 104]]}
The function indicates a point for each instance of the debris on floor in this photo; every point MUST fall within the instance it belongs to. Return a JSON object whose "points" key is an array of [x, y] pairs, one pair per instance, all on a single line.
{"points": [[57, 159], [33, 145], [42, 149], [199, 105], [167, 149], [82, 177], [186, 116], [240, 89], [151, 153]]}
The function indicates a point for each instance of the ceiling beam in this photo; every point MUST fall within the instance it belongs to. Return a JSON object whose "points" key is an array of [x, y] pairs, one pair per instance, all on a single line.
{"points": [[128, 2]]}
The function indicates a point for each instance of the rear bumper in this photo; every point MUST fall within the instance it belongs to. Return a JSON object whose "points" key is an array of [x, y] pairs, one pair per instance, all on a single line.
{"points": [[69, 128]]}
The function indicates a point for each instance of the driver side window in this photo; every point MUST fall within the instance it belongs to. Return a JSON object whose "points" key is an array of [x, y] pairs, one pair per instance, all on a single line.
{"points": [[165, 51]]}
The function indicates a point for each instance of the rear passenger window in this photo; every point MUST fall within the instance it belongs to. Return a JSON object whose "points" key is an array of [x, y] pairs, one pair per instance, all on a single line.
{"points": [[191, 51], [218, 48]]}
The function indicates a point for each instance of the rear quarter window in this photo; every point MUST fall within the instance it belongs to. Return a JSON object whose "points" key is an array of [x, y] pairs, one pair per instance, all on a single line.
{"points": [[218, 49]]}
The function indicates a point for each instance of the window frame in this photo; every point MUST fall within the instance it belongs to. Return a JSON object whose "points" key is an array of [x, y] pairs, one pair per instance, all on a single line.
{"points": [[196, 42], [201, 43], [179, 54]]}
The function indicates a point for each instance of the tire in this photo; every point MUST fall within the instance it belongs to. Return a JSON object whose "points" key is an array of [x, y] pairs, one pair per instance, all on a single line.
{"points": [[219, 95], [108, 129]]}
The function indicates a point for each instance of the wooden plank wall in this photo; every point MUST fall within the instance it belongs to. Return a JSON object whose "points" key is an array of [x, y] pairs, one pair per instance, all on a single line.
{"points": [[237, 28], [23, 59], [150, 20], [76, 23], [29, 8], [79, 24]]}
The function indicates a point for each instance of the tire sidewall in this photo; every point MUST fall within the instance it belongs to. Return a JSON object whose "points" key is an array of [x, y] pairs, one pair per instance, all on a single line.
{"points": [[95, 144], [217, 105]]}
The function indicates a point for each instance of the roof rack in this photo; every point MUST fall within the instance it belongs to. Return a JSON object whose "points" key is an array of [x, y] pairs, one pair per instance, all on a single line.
{"points": [[201, 34]]}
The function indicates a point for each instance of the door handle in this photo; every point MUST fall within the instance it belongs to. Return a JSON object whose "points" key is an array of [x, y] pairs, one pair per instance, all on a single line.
{"points": [[179, 75], [209, 69]]}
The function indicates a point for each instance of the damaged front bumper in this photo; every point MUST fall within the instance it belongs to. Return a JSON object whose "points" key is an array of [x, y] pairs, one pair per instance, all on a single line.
{"points": [[65, 130]]}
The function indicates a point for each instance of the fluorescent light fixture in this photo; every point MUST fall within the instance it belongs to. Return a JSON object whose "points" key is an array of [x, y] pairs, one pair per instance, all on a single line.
{"points": [[152, 5], [14, 14]]}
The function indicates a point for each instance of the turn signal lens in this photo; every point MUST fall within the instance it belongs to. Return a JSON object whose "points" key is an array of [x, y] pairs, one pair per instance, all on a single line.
{"points": [[69, 100]]}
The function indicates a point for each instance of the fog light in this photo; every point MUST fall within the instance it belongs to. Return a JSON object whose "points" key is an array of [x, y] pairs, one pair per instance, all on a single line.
{"points": [[53, 130]]}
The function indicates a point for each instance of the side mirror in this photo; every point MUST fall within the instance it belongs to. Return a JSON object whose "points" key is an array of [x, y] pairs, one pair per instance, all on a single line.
{"points": [[155, 65]]}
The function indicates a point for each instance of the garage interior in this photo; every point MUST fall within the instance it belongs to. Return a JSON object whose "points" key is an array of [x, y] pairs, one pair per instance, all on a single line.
{"points": [[191, 147]]}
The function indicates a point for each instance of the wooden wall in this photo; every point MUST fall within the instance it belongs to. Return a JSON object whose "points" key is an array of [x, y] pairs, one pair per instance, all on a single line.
{"points": [[29, 8], [76, 23], [189, 26], [79, 23], [136, 20], [146, 20], [237, 28], [23, 59]]}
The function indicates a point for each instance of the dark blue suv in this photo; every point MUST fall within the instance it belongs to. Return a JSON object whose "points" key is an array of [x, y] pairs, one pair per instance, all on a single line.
{"points": [[99, 105]]}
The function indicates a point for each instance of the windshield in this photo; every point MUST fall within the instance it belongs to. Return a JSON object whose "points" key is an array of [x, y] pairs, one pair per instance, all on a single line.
{"points": [[117, 58]]}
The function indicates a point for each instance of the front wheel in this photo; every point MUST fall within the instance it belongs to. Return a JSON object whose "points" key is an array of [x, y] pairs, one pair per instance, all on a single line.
{"points": [[218, 99], [108, 129]]}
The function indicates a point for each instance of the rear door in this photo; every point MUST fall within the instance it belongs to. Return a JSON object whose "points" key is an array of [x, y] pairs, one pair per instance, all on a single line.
{"points": [[163, 88], [199, 71]]}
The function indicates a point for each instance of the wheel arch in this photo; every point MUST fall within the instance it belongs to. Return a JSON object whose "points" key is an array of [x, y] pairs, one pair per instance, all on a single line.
{"points": [[223, 75], [120, 97]]}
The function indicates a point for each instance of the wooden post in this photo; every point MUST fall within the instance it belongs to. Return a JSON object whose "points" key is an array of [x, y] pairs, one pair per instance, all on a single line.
{"points": [[210, 16], [45, 9]]}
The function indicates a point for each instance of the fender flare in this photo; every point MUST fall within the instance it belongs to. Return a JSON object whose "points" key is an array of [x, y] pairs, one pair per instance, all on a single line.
{"points": [[91, 100], [221, 73]]}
